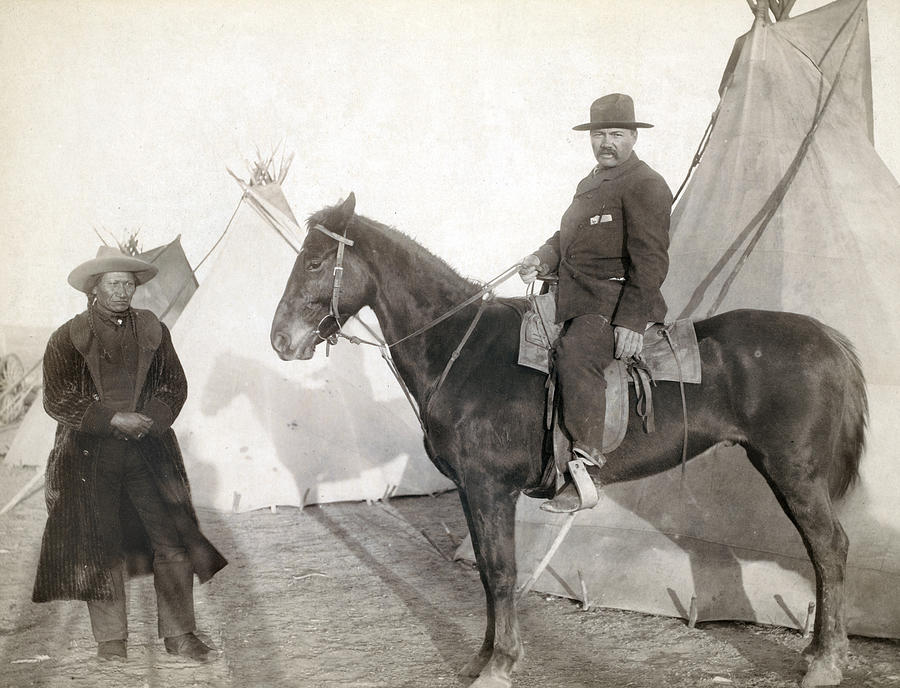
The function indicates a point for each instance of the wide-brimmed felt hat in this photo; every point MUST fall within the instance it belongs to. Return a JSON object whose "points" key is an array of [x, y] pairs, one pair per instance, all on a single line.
{"points": [[613, 111], [110, 259]]}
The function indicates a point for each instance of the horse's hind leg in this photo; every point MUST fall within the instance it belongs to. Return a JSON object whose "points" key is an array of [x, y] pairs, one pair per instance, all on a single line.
{"points": [[808, 504]]}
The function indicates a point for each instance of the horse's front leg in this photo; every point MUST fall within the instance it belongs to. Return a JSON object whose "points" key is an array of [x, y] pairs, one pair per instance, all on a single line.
{"points": [[490, 511]]}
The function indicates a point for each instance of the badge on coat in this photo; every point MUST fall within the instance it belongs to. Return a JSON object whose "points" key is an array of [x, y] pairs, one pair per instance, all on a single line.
{"points": [[597, 219]]}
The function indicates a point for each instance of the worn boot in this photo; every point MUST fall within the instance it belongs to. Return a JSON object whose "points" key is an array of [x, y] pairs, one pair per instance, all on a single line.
{"points": [[580, 490], [188, 646]]}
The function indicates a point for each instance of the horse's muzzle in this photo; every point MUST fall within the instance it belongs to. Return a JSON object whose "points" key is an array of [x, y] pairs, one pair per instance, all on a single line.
{"points": [[293, 348]]}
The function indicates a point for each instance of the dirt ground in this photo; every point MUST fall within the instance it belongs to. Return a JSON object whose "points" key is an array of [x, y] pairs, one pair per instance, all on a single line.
{"points": [[366, 595]]}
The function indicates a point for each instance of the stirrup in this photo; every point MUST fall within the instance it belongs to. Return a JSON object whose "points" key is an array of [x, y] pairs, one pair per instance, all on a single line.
{"points": [[587, 491], [578, 493]]}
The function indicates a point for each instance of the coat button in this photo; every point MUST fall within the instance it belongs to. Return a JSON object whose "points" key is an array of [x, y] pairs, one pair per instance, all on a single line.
{"points": [[85, 452], [95, 397]]}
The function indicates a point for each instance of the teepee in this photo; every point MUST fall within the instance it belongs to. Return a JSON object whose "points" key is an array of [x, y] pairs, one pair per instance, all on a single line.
{"points": [[257, 431], [790, 209]]}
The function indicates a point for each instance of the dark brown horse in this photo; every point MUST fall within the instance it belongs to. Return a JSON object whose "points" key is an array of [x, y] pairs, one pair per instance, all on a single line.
{"points": [[783, 386]]}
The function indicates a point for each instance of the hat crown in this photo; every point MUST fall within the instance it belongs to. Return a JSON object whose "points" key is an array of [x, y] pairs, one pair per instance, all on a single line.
{"points": [[612, 111], [615, 107], [110, 259], [109, 252]]}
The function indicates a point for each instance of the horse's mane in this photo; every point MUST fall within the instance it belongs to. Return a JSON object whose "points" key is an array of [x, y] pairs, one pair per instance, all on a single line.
{"points": [[424, 259]]}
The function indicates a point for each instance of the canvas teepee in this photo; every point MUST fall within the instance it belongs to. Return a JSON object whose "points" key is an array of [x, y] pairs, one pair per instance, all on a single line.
{"points": [[257, 431], [165, 295], [790, 209]]}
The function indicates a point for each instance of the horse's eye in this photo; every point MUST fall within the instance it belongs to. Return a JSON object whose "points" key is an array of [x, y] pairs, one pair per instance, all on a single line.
{"points": [[313, 264]]}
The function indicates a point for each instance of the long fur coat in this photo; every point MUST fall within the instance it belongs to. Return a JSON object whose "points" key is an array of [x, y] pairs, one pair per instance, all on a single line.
{"points": [[73, 563]]}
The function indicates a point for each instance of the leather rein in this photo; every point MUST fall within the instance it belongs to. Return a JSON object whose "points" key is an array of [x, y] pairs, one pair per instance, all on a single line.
{"points": [[484, 295]]}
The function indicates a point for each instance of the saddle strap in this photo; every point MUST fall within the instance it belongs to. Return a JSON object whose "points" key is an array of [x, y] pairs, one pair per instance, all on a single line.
{"points": [[684, 441], [643, 384]]}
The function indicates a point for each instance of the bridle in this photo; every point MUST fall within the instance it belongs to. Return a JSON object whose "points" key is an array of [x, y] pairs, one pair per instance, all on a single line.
{"points": [[329, 328]]}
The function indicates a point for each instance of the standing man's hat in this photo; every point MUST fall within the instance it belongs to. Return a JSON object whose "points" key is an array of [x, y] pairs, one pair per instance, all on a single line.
{"points": [[614, 111], [110, 259]]}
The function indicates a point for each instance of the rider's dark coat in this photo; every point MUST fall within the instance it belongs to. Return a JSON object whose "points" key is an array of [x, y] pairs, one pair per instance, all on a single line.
{"points": [[611, 251]]}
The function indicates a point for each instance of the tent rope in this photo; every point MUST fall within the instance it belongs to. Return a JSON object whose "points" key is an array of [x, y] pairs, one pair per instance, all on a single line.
{"points": [[221, 236], [698, 155]]}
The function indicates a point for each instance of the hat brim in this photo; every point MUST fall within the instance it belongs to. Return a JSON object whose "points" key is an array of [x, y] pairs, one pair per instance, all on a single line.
{"points": [[82, 277], [612, 125]]}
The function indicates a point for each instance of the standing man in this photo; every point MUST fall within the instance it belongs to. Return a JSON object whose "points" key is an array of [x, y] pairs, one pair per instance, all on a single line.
{"points": [[118, 500], [611, 255]]}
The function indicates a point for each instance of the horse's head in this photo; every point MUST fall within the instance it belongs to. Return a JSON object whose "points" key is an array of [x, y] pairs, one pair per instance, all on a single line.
{"points": [[306, 313]]}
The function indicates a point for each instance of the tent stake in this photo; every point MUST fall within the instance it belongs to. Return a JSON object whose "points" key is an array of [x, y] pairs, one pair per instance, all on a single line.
{"points": [[692, 614], [548, 556], [810, 611], [235, 502], [303, 499], [585, 603], [455, 540]]}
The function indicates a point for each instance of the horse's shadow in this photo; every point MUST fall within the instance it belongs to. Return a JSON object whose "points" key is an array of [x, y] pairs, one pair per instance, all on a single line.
{"points": [[328, 429]]}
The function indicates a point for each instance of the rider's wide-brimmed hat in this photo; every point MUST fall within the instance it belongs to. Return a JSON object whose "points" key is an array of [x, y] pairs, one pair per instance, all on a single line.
{"points": [[110, 259], [613, 111]]}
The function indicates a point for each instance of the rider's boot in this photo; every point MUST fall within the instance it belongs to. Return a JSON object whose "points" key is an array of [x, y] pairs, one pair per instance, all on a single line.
{"points": [[580, 490]]}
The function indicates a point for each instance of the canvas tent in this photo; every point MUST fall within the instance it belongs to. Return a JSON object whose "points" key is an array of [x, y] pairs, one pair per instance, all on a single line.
{"points": [[790, 209], [257, 431], [166, 295]]}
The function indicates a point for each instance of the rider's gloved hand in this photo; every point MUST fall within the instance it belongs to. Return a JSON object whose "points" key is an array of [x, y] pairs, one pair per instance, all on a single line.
{"points": [[529, 268]]}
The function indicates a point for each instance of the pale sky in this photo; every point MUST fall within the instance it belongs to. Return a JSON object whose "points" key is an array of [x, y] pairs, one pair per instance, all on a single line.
{"points": [[450, 120]]}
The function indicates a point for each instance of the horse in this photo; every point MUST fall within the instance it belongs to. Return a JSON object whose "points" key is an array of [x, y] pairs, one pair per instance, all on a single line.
{"points": [[783, 386]]}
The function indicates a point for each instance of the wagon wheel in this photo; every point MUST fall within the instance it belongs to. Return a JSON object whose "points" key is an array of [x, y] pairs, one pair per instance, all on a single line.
{"points": [[12, 403]]}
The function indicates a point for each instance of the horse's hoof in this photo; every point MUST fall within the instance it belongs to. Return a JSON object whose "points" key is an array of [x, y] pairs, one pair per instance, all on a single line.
{"points": [[822, 672], [491, 682]]}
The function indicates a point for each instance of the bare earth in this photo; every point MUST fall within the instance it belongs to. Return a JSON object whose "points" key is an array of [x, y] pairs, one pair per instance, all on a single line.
{"points": [[356, 595]]}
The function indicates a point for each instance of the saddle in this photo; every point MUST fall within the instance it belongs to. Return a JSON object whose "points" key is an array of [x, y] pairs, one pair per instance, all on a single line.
{"points": [[670, 353]]}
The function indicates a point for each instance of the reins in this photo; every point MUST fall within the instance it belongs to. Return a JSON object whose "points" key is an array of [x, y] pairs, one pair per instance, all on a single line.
{"points": [[485, 294]]}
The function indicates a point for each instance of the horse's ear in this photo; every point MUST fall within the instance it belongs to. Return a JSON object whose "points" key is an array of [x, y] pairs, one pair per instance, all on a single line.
{"points": [[347, 208]]}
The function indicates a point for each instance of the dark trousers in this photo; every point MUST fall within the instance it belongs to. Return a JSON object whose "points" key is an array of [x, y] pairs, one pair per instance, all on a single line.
{"points": [[586, 347], [122, 470]]}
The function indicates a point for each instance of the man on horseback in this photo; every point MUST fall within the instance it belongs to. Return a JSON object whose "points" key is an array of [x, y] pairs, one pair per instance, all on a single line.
{"points": [[611, 257]]}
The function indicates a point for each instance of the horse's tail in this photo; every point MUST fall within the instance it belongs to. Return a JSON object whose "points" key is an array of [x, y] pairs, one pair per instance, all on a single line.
{"points": [[851, 437]]}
